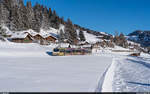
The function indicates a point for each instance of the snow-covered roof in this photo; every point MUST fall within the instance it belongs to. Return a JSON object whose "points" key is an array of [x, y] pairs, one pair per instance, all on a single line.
{"points": [[19, 35], [31, 32], [47, 33], [23, 34], [64, 45], [45, 36], [82, 42]]}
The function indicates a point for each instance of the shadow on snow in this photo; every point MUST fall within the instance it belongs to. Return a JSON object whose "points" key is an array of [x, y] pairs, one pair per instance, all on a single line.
{"points": [[140, 62], [137, 83]]}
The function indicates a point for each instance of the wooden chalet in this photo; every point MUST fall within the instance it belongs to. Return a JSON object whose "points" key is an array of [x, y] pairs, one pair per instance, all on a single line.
{"points": [[22, 39], [50, 39], [31, 36], [38, 37]]}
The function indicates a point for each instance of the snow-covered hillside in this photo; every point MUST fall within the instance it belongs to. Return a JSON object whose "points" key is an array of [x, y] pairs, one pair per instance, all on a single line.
{"points": [[142, 37], [90, 38]]}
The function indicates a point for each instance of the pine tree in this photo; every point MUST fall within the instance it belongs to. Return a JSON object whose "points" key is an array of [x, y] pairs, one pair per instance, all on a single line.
{"points": [[45, 19], [4, 17], [81, 36], [23, 16], [61, 36], [62, 21], [38, 17], [30, 15], [54, 19], [71, 33]]}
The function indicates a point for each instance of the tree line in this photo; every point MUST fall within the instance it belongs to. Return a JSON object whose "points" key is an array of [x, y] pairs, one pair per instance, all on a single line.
{"points": [[17, 16]]}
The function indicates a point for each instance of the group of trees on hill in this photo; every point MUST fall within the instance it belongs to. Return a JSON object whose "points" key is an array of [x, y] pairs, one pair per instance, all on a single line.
{"points": [[16, 16], [120, 40]]}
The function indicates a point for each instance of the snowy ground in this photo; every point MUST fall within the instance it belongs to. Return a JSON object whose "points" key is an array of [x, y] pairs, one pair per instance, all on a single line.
{"points": [[30, 67], [132, 74], [128, 74]]}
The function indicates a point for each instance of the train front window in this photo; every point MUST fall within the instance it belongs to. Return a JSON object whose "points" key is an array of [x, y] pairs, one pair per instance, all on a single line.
{"points": [[56, 50]]}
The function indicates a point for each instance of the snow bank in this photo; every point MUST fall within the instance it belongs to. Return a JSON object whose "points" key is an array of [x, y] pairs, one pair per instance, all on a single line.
{"points": [[108, 80]]}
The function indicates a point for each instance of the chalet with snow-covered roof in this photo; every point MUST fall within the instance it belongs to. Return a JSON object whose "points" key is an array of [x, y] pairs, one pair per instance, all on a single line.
{"points": [[30, 36], [38, 37], [31, 32], [50, 38], [21, 38]]}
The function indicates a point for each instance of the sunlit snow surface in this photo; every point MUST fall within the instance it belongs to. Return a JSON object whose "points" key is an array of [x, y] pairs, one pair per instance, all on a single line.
{"points": [[29, 67], [132, 74]]}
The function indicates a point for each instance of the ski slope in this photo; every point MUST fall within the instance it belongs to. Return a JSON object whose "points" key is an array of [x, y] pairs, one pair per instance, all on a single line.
{"points": [[30, 68], [90, 38]]}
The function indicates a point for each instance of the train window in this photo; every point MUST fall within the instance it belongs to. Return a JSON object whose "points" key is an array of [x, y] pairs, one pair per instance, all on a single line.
{"points": [[62, 50], [56, 50], [68, 51]]}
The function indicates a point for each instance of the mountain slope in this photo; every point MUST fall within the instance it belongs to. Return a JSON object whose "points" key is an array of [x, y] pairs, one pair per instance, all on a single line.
{"points": [[142, 37], [18, 17]]}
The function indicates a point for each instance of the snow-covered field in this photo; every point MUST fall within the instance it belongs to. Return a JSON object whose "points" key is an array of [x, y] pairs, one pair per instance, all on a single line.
{"points": [[132, 74], [30, 67], [127, 73]]}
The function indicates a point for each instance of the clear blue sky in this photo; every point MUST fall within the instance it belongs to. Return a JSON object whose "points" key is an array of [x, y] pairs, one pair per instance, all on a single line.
{"points": [[104, 15]]}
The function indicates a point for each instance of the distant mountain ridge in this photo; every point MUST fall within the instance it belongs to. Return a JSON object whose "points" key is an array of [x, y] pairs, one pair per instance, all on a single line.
{"points": [[142, 37]]}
